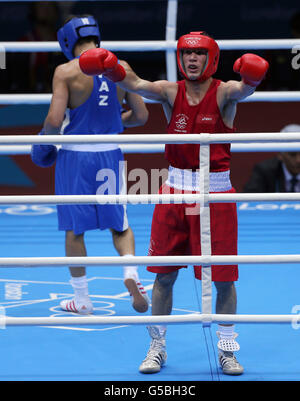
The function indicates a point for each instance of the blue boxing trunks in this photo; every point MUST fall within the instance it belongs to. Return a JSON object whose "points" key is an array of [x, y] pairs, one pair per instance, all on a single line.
{"points": [[90, 173]]}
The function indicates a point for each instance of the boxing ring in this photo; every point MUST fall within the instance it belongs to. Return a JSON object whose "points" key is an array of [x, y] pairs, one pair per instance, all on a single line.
{"points": [[39, 268]]}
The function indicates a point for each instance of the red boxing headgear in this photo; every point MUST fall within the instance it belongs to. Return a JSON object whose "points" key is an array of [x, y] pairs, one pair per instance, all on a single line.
{"points": [[196, 40]]}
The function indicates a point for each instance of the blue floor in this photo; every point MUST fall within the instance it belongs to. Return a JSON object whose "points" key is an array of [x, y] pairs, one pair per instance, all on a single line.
{"points": [[97, 353]]}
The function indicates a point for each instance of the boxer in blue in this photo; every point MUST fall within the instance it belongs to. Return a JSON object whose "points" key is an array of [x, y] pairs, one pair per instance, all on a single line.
{"points": [[92, 106]]}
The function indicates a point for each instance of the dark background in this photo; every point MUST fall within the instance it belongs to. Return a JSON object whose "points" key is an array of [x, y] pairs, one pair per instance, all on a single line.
{"points": [[146, 20]]}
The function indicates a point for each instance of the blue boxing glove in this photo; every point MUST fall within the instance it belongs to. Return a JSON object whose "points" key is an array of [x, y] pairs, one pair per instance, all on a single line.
{"points": [[43, 155]]}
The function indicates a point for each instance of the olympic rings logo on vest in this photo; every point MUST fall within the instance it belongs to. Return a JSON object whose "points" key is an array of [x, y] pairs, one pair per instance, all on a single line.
{"points": [[181, 122]]}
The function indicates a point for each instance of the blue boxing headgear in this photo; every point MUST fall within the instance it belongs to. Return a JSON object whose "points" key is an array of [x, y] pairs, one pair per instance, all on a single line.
{"points": [[75, 29]]}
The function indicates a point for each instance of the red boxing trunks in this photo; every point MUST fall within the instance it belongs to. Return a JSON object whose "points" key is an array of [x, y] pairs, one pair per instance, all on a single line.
{"points": [[176, 231]]}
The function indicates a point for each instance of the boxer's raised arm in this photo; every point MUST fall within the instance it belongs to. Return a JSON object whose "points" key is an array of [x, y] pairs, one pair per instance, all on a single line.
{"points": [[252, 69], [100, 61]]}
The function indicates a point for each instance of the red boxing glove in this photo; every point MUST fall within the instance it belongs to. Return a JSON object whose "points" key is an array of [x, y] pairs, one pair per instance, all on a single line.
{"points": [[100, 61], [252, 68]]}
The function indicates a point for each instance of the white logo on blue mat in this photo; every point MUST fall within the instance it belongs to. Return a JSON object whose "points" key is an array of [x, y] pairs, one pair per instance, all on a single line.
{"points": [[30, 210]]}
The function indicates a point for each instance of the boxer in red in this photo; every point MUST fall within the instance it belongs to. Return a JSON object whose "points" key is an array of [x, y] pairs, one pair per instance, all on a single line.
{"points": [[198, 103]]}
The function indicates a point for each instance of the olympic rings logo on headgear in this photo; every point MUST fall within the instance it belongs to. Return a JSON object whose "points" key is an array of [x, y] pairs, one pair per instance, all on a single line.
{"points": [[192, 41], [197, 40]]}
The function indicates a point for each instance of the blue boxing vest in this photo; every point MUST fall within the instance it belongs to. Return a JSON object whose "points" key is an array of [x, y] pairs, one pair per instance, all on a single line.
{"points": [[100, 114], [78, 165]]}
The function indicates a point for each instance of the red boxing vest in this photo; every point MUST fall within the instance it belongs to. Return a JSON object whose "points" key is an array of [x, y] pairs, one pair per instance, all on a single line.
{"points": [[204, 117]]}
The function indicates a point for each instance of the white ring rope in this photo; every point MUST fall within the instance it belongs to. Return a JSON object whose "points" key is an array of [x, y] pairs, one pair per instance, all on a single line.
{"points": [[146, 199], [171, 23], [169, 46], [202, 139], [149, 198], [145, 320], [204, 260], [147, 260], [152, 260], [155, 45]]}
